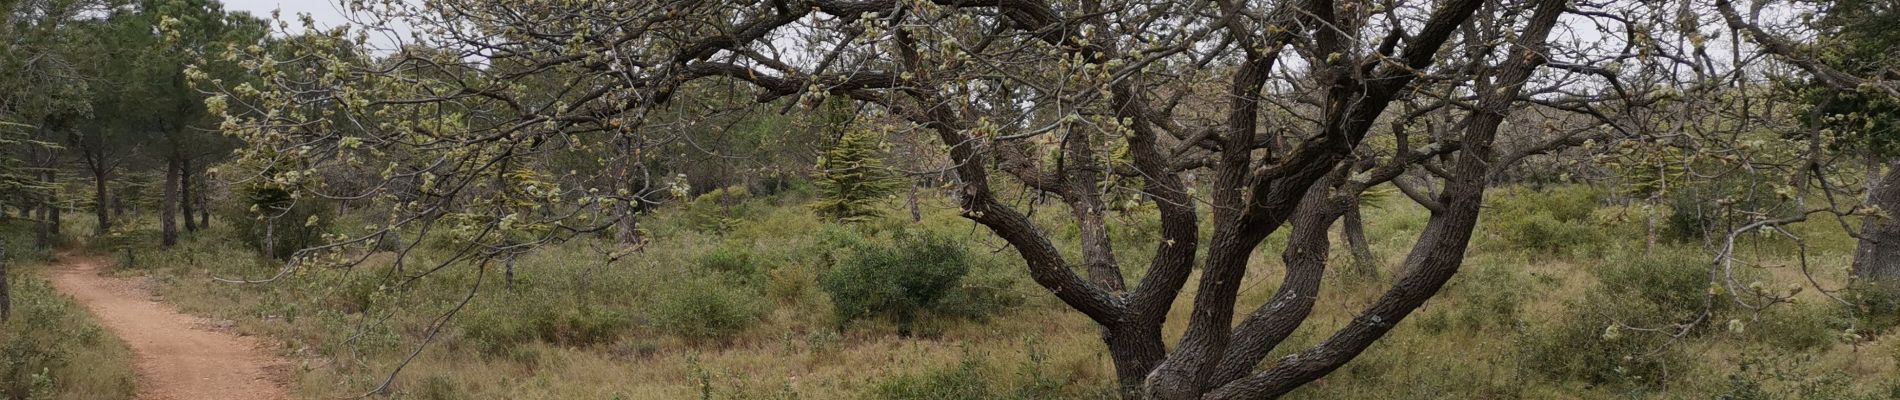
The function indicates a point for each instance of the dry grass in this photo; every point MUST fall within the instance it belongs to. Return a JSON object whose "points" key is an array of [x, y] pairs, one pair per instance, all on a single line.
{"points": [[1452, 348]]}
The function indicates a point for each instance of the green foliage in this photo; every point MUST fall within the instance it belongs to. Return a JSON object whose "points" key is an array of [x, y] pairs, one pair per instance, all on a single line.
{"points": [[1794, 328], [1589, 345], [706, 309], [1549, 220], [1873, 308], [49, 348], [1697, 211], [1594, 341], [852, 178], [975, 377], [729, 258], [1490, 298], [898, 282], [498, 330], [269, 212], [1674, 282], [964, 381]]}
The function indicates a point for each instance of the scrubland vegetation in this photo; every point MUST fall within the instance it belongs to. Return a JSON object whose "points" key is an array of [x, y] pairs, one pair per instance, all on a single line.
{"points": [[897, 199], [746, 308], [49, 347]]}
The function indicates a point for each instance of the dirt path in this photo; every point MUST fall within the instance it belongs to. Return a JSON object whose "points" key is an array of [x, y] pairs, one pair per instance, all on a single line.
{"points": [[179, 356]]}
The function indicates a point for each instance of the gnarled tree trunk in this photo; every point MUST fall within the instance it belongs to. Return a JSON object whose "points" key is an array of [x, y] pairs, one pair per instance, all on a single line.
{"points": [[1877, 259]]}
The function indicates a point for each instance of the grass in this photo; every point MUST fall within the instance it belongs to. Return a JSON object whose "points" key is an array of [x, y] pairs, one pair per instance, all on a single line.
{"points": [[572, 325], [50, 348]]}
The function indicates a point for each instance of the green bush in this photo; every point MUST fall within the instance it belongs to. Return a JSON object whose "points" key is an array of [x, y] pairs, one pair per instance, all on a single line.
{"points": [[852, 178], [1670, 281], [1548, 220], [1588, 345], [496, 331], [704, 309], [1793, 327], [1546, 234], [1875, 308], [965, 381], [293, 224], [898, 282], [1491, 297], [729, 259], [48, 349], [1694, 213]]}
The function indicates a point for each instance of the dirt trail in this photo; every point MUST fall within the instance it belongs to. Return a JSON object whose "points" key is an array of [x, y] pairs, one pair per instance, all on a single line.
{"points": [[180, 357]]}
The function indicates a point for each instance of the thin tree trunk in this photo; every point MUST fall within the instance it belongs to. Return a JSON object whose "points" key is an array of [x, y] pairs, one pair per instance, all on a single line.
{"points": [[6, 299], [118, 204], [49, 211], [916, 213], [185, 197], [204, 202], [53, 209], [42, 237], [168, 210], [270, 237], [102, 199], [1878, 257]]}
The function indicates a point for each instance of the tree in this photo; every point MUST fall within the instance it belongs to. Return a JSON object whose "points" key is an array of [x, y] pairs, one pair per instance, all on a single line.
{"points": [[852, 177], [1851, 64], [1060, 98]]}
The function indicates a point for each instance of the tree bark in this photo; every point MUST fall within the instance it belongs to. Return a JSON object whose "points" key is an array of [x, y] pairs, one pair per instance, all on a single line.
{"points": [[102, 199], [6, 298], [204, 202], [49, 218], [168, 209], [1363, 261], [1877, 260], [185, 198]]}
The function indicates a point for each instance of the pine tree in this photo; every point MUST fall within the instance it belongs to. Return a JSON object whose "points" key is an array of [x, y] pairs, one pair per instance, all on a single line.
{"points": [[852, 176]]}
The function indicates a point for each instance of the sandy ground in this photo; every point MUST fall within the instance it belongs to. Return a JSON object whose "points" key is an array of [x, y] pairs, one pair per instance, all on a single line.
{"points": [[180, 357]]}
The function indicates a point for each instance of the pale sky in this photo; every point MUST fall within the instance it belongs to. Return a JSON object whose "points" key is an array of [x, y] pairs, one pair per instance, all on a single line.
{"points": [[326, 12]]}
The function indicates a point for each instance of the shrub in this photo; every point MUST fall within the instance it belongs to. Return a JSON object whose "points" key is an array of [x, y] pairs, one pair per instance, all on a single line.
{"points": [[569, 326], [1491, 297], [964, 381], [1671, 281], [271, 214], [49, 349], [702, 309], [1694, 213], [896, 282], [852, 178], [729, 259], [1875, 307], [1548, 220], [1587, 345], [1793, 328]]}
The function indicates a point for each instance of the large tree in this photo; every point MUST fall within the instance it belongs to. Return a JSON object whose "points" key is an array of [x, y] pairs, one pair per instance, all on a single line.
{"points": [[1259, 111]]}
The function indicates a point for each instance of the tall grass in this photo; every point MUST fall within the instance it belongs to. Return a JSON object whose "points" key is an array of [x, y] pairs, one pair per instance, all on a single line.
{"points": [[726, 301], [50, 348]]}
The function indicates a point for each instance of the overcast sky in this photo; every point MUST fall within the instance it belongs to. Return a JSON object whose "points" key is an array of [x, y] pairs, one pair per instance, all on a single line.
{"points": [[326, 12]]}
